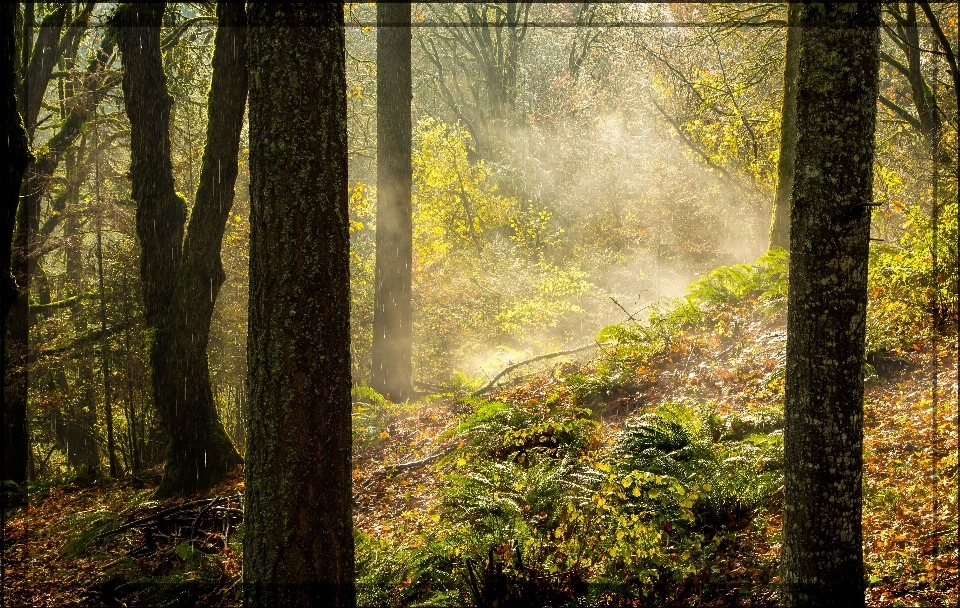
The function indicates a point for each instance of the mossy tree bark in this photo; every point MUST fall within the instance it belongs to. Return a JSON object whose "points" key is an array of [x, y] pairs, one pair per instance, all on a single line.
{"points": [[780, 224], [16, 157], [180, 280], [22, 263], [392, 372], [298, 543], [822, 560], [200, 452]]}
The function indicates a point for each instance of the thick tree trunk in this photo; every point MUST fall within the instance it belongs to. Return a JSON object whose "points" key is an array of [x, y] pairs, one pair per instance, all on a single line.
{"points": [[298, 544], [392, 373], [200, 452], [16, 156], [780, 225], [822, 560]]}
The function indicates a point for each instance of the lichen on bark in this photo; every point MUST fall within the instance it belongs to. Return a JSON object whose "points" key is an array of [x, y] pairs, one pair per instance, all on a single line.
{"points": [[822, 558], [298, 539]]}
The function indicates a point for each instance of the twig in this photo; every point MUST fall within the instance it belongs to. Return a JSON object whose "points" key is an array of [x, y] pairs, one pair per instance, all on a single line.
{"points": [[509, 369], [156, 516], [409, 466], [203, 510]]}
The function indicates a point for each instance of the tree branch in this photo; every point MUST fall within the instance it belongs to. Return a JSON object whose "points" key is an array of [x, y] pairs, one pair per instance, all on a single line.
{"points": [[944, 43], [87, 339], [510, 368], [902, 113]]}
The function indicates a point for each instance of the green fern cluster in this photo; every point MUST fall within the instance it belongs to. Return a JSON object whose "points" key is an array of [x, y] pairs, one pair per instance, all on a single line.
{"points": [[504, 431], [372, 414], [734, 465], [765, 281]]}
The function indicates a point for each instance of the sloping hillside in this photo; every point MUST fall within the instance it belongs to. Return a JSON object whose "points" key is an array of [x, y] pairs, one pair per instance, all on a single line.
{"points": [[647, 473]]}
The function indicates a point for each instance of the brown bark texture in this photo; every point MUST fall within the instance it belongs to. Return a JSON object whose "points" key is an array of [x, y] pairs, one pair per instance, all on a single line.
{"points": [[780, 224], [298, 542], [392, 372], [822, 558]]}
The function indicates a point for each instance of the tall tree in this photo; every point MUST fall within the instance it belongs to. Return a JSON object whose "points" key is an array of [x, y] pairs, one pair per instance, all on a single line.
{"points": [[822, 560], [298, 544], [200, 451], [179, 289], [392, 326], [780, 224], [16, 156], [37, 59]]}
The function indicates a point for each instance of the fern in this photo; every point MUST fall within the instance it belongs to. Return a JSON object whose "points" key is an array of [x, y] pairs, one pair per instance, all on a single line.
{"points": [[733, 464], [84, 528]]}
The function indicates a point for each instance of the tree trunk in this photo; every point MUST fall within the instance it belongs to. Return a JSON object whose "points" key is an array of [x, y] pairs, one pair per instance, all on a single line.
{"points": [[200, 452], [298, 544], [161, 212], [923, 99], [392, 373], [105, 351], [780, 225], [822, 560], [16, 157], [42, 60]]}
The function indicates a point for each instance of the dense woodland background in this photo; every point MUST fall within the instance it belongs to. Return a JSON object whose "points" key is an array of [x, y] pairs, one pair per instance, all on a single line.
{"points": [[574, 185]]}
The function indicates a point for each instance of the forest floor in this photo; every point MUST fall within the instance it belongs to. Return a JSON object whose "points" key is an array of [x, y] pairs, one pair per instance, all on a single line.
{"points": [[192, 556]]}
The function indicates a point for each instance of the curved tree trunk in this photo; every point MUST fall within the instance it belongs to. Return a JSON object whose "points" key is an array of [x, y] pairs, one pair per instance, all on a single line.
{"points": [[200, 452], [822, 559], [780, 224], [178, 278], [16, 156], [298, 543], [392, 373]]}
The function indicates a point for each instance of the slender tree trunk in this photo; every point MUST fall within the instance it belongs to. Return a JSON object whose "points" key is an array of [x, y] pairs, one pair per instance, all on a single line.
{"points": [[136, 450], [200, 451], [38, 66], [23, 260], [105, 361], [780, 225], [298, 544], [42, 60], [931, 125], [76, 430], [822, 560], [16, 157], [392, 373]]}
